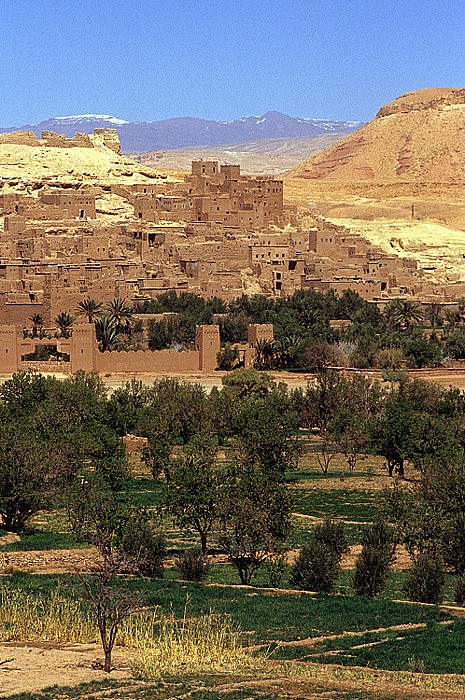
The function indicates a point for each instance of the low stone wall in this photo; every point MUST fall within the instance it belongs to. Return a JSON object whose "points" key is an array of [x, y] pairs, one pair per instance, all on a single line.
{"points": [[147, 361]]}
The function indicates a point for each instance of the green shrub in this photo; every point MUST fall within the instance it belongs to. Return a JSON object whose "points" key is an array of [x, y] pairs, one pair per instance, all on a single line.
{"points": [[276, 569], [144, 548], [192, 564], [316, 568], [373, 564], [380, 536], [332, 533], [227, 357], [371, 570], [454, 545], [421, 353], [425, 581]]}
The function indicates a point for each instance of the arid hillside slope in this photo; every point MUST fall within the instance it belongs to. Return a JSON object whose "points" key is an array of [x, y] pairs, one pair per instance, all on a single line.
{"points": [[38, 163], [419, 137]]}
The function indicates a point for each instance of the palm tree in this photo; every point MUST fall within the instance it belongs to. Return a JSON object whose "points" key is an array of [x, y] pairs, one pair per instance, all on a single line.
{"points": [[107, 333], [119, 312], [90, 308], [64, 321], [37, 324], [265, 354], [402, 313], [283, 350]]}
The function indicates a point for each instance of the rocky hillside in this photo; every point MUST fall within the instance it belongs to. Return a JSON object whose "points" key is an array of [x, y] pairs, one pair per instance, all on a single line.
{"points": [[420, 137], [25, 160]]}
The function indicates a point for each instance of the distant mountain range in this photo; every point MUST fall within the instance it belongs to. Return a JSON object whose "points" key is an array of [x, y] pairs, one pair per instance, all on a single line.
{"points": [[186, 132]]}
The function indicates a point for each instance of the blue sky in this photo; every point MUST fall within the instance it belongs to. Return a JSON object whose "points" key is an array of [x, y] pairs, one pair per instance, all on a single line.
{"points": [[156, 59]]}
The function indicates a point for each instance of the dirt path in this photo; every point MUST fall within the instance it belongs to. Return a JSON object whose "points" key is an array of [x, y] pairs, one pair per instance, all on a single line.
{"points": [[54, 561]]}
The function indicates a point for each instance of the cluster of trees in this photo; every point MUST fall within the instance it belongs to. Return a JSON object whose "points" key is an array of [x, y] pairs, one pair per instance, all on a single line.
{"points": [[221, 458], [305, 338]]}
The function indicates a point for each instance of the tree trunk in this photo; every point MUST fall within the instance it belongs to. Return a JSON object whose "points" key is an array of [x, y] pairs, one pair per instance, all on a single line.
{"points": [[107, 665], [203, 542], [401, 469]]}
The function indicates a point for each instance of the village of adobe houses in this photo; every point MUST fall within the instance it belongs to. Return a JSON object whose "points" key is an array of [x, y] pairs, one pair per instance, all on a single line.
{"points": [[215, 232]]}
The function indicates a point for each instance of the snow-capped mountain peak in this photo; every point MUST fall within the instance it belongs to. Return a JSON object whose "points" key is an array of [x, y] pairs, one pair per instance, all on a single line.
{"points": [[76, 118]]}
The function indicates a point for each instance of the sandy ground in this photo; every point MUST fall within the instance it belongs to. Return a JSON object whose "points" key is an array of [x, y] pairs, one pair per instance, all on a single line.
{"points": [[444, 376], [73, 165], [31, 667]]}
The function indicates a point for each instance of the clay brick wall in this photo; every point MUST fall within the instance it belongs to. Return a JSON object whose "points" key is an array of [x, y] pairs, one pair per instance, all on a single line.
{"points": [[204, 167], [147, 361], [110, 139], [53, 140], [207, 342], [14, 225], [19, 312], [76, 204], [145, 208], [259, 331], [231, 172], [8, 349], [9, 202]]}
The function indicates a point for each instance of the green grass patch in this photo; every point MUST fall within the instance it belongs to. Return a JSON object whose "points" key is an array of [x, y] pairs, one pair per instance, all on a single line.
{"points": [[303, 527], [144, 492], [46, 530], [39, 540], [434, 649], [347, 504], [203, 688]]}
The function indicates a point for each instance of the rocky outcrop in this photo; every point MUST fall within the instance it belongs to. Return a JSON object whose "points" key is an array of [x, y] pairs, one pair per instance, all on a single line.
{"points": [[20, 138], [421, 100]]}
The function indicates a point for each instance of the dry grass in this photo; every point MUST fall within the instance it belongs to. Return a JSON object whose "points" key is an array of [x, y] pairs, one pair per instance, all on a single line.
{"points": [[209, 643], [55, 619]]}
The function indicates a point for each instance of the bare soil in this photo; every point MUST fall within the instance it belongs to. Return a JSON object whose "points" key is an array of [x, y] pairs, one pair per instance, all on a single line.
{"points": [[30, 667]]}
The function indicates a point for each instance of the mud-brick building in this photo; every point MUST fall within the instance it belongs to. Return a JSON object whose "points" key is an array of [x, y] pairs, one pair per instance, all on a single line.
{"points": [[212, 193], [72, 203]]}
